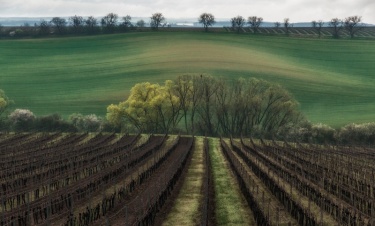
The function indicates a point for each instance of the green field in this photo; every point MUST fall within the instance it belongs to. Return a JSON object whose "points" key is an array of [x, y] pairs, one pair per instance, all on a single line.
{"points": [[334, 80]]}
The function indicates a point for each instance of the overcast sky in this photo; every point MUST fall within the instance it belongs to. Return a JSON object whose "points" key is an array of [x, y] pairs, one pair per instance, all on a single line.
{"points": [[270, 10]]}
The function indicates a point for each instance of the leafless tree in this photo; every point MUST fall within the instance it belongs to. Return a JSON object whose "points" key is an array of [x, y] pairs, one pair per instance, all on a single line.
{"points": [[44, 27], [255, 22], [183, 88], [223, 108], [336, 26], [59, 23], [233, 107], [109, 22], [237, 23], [207, 87], [141, 23], [287, 25], [77, 23], [351, 24], [195, 98], [277, 25], [91, 24], [318, 25], [156, 20], [207, 19], [126, 22]]}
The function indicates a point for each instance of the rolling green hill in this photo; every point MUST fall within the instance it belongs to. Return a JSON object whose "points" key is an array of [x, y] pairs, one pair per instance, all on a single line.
{"points": [[334, 80]]}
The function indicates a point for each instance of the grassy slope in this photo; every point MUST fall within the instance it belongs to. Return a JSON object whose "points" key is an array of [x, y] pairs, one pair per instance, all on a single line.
{"points": [[332, 79], [231, 207], [185, 210]]}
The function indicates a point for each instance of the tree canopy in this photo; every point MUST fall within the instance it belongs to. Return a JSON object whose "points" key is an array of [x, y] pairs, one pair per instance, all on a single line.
{"points": [[255, 22], [59, 23], [156, 20], [149, 108], [351, 24], [237, 23], [109, 22]]}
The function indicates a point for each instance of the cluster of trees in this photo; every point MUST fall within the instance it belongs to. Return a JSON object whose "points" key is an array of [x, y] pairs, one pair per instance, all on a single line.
{"points": [[351, 24], [205, 105], [24, 120], [239, 22], [209, 106], [200, 105], [91, 25], [357, 134]]}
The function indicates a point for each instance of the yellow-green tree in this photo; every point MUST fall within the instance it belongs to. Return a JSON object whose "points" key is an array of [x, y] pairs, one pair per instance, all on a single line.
{"points": [[149, 107], [4, 102]]}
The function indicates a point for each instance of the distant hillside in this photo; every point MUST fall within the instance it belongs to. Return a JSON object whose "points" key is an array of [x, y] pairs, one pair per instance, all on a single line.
{"points": [[332, 79]]}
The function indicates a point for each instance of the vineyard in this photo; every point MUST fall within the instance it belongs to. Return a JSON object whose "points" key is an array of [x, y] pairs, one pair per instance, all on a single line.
{"points": [[121, 179], [366, 32]]}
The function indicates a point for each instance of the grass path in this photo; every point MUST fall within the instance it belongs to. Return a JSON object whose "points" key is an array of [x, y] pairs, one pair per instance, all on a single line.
{"points": [[231, 207], [186, 207]]}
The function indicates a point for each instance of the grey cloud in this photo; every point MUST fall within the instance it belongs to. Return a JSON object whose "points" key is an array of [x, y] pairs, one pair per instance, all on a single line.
{"points": [[270, 10]]}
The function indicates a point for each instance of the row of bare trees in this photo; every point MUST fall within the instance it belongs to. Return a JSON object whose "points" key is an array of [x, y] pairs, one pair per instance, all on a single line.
{"points": [[112, 23], [352, 24], [76, 24], [109, 23]]}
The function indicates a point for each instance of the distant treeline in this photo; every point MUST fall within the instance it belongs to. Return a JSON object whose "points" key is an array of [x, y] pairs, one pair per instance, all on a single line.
{"points": [[112, 23], [75, 25]]}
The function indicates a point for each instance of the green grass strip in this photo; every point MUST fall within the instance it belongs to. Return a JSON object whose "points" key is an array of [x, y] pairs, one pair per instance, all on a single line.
{"points": [[231, 207], [186, 207]]}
